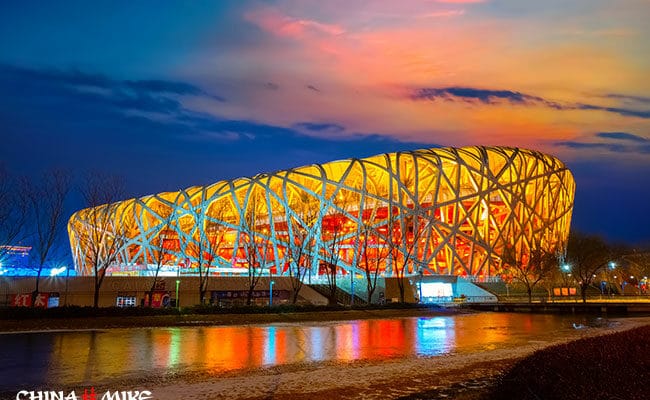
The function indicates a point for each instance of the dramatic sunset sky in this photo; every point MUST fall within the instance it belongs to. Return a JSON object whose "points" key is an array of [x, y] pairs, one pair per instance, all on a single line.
{"points": [[173, 94]]}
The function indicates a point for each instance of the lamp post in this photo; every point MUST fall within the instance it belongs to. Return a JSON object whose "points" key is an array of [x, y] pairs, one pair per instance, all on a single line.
{"points": [[67, 275], [421, 272], [566, 268], [271, 283], [351, 287], [178, 303]]}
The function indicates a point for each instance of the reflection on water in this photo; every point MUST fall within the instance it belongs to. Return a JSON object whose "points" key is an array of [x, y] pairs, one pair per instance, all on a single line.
{"points": [[90, 357]]}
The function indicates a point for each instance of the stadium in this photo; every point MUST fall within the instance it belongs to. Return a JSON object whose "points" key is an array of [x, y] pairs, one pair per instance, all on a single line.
{"points": [[423, 213]]}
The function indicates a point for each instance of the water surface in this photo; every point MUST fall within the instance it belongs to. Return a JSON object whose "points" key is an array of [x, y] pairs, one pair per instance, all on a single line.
{"points": [[69, 359]]}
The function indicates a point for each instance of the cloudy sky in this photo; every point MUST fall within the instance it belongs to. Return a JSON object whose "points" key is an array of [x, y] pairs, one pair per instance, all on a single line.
{"points": [[172, 94]]}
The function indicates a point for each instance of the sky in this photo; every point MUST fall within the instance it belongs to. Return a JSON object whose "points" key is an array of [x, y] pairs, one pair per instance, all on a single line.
{"points": [[174, 94]]}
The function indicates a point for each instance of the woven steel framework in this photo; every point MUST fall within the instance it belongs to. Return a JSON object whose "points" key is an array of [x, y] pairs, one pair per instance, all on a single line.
{"points": [[441, 210]]}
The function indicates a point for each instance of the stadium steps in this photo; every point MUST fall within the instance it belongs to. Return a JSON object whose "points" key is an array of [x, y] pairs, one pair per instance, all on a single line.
{"points": [[342, 297], [500, 290]]}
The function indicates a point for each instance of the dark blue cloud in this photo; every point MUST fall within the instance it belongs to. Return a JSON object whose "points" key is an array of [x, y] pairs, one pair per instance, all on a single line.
{"points": [[625, 97], [622, 136], [319, 127], [592, 145], [482, 95], [487, 96], [626, 112], [618, 142], [156, 96], [85, 121], [160, 86]]}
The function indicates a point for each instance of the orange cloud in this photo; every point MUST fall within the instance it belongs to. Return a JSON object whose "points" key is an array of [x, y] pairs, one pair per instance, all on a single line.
{"points": [[366, 59], [279, 24]]}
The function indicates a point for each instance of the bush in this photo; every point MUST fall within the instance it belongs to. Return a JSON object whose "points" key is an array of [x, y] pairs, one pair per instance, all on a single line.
{"points": [[23, 313], [615, 366], [20, 313]]}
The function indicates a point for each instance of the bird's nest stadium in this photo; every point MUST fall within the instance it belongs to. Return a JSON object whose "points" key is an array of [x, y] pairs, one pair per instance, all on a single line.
{"points": [[439, 211]]}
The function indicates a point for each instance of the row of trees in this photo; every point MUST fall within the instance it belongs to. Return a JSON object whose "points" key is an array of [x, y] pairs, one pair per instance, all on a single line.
{"points": [[33, 212], [588, 260]]}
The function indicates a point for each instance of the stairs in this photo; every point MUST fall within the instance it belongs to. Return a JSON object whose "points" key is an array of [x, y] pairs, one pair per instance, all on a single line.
{"points": [[342, 297]]}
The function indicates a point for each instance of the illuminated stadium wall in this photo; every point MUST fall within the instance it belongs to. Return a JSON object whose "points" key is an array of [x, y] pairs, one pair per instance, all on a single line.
{"points": [[441, 211]]}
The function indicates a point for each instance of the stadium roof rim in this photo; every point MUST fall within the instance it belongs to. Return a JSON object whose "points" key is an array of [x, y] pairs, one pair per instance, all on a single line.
{"points": [[415, 152]]}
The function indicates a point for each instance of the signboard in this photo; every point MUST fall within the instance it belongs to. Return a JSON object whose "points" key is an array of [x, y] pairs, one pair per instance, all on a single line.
{"points": [[159, 299], [243, 294], [564, 291], [42, 299]]}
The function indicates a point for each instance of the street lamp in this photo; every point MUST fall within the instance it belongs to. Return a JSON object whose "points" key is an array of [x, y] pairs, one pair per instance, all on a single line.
{"points": [[178, 303], [271, 283], [421, 273]]}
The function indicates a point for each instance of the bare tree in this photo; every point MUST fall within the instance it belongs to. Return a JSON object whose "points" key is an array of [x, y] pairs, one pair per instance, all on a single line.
{"points": [[255, 240], [529, 269], [373, 251], [402, 238], [160, 244], [333, 235], [46, 200], [13, 210], [215, 235], [587, 256], [205, 239], [301, 242], [102, 234]]}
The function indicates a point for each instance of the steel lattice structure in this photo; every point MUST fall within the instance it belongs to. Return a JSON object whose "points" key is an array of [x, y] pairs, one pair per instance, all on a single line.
{"points": [[442, 210]]}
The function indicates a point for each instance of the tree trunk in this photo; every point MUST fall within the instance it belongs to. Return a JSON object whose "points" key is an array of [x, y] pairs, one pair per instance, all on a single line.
{"points": [[530, 294], [96, 297], [400, 285], [38, 278], [370, 293]]}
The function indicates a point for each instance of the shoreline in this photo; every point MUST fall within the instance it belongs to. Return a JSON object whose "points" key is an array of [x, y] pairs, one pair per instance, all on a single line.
{"points": [[189, 320]]}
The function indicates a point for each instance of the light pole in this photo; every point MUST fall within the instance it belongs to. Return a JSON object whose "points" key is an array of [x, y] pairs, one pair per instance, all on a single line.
{"points": [[178, 303], [420, 288], [271, 283], [67, 275], [351, 287], [565, 270]]}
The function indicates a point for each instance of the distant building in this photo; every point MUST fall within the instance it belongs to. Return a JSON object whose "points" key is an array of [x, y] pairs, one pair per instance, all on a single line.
{"points": [[13, 257], [15, 261]]}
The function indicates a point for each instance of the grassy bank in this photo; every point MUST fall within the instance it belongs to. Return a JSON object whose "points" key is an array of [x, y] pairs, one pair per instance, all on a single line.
{"points": [[27, 319], [614, 366]]}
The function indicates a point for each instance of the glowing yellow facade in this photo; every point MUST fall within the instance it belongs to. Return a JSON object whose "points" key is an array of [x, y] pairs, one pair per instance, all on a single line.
{"points": [[441, 211]]}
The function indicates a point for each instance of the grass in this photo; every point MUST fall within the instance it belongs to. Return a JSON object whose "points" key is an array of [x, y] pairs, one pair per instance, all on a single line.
{"points": [[23, 313], [72, 317], [614, 366]]}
